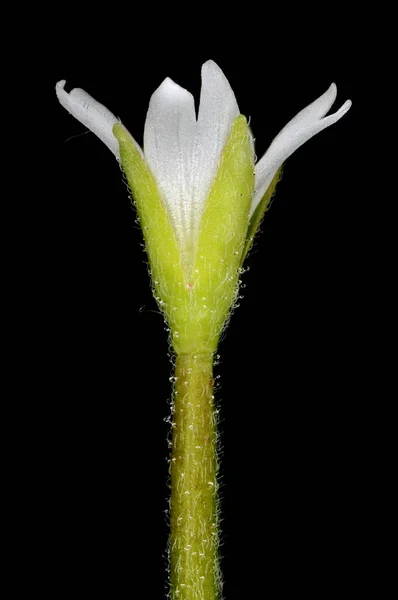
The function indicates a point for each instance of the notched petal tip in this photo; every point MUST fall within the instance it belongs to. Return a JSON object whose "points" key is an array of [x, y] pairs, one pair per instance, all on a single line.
{"points": [[314, 111], [334, 117], [95, 116], [332, 94], [307, 123]]}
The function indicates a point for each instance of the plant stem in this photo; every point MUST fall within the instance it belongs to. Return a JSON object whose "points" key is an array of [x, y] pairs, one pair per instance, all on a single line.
{"points": [[193, 509]]}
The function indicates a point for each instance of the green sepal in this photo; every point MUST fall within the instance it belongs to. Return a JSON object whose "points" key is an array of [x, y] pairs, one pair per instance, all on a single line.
{"points": [[196, 300], [258, 214], [222, 236], [160, 240]]}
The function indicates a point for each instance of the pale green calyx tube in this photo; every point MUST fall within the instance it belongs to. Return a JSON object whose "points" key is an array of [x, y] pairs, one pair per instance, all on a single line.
{"points": [[200, 200], [197, 296]]}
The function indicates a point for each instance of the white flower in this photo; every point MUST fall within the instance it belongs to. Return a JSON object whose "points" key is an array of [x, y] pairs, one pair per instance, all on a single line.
{"points": [[183, 151]]}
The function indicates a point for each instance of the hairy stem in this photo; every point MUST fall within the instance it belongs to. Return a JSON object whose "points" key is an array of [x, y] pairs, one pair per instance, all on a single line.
{"points": [[193, 511]]}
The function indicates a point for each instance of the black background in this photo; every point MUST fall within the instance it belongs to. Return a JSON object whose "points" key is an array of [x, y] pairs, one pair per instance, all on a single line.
{"points": [[292, 417]]}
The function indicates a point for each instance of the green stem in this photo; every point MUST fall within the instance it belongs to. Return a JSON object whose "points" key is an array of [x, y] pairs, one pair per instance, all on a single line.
{"points": [[193, 509]]}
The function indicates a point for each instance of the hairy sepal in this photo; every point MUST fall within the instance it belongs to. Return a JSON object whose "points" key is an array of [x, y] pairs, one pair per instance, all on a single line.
{"points": [[222, 235], [160, 241], [259, 213], [197, 300]]}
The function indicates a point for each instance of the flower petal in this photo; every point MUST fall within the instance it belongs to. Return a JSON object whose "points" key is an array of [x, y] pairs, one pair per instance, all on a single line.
{"points": [[183, 153], [217, 111], [91, 113], [168, 146], [314, 111], [301, 128]]}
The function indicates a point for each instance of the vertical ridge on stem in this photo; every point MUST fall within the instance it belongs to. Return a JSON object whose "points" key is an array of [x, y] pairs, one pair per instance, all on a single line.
{"points": [[194, 567]]}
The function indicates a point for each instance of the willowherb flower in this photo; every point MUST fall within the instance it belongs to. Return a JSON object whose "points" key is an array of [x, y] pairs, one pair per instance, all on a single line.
{"points": [[198, 194], [200, 199]]}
